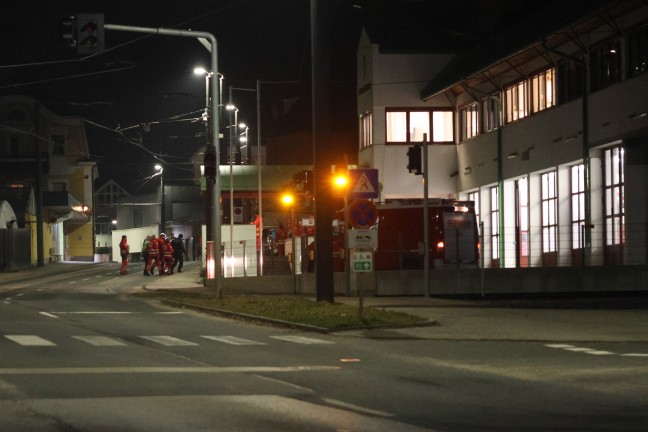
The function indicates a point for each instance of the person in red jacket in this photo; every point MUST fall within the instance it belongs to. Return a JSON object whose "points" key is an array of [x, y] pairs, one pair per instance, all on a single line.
{"points": [[161, 248], [153, 253], [168, 256], [124, 249]]}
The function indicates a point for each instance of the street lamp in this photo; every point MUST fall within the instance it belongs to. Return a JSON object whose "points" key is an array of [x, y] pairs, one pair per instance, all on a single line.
{"points": [[288, 200], [243, 138], [341, 182], [162, 203]]}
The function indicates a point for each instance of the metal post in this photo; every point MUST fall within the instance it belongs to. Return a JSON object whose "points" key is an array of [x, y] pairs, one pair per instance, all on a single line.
{"points": [[215, 99], [347, 251], [426, 222], [294, 255], [259, 177], [162, 203]]}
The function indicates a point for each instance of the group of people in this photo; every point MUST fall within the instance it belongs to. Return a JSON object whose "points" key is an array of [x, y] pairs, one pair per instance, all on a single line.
{"points": [[161, 252]]}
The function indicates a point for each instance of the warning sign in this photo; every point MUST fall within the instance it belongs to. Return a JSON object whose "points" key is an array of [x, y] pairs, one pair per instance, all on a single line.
{"points": [[364, 183]]}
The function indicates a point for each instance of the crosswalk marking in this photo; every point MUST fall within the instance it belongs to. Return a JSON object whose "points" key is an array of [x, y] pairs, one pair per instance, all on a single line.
{"points": [[29, 340], [168, 340], [301, 340], [233, 340], [100, 340], [592, 351]]}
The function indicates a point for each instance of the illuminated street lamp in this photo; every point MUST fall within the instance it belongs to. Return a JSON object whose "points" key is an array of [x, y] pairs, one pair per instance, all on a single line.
{"points": [[243, 139], [162, 203], [341, 183], [288, 199]]}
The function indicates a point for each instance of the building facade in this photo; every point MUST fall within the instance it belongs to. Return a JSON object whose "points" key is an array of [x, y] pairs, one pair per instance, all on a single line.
{"points": [[48, 154], [545, 129]]}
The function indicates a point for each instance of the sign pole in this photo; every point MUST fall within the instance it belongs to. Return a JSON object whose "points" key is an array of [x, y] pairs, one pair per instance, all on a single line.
{"points": [[426, 227]]}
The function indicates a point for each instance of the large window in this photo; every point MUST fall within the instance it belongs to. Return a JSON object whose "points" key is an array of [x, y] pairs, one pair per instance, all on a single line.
{"points": [[515, 102], [469, 121], [408, 126], [549, 212], [614, 196], [490, 114], [637, 50], [577, 175], [366, 128], [543, 90], [494, 216], [569, 80], [605, 64]]}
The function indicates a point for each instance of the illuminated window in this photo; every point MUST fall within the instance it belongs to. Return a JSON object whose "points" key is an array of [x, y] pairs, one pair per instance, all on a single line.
{"points": [[614, 196], [549, 212], [366, 128], [469, 122], [515, 102], [494, 222], [409, 126], [578, 206], [543, 90]]}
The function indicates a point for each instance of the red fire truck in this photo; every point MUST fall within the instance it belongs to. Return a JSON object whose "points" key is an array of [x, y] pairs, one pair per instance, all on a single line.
{"points": [[453, 236]]}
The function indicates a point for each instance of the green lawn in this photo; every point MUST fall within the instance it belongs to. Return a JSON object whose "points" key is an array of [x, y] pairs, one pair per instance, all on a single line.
{"points": [[293, 309]]}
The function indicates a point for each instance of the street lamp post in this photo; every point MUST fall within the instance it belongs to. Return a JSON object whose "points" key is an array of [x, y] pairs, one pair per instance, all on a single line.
{"points": [[289, 200], [342, 182], [232, 132], [162, 201]]}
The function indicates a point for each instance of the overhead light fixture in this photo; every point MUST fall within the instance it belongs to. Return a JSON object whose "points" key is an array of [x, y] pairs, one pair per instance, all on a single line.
{"points": [[635, 116], [569, 138], [467, 171], [513, 155]]}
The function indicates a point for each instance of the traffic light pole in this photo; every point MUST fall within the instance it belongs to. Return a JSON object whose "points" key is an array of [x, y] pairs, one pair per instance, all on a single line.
{"points": [[215, 195]]}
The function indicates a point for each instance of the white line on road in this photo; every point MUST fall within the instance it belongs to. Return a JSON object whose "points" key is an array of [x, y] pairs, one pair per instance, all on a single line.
{"points": [[357, 408], [168, 341], [100, 340], [48, 314], [635, 355], [166, 370], [29, 340], [233, 340], [301, 339]]}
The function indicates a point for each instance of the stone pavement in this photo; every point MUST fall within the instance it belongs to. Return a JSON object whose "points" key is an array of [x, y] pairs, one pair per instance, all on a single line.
{"points": [[561, 320]]}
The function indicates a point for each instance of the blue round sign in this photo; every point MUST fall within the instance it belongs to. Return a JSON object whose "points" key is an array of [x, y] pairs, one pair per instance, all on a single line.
{"points": [[362, 213]]}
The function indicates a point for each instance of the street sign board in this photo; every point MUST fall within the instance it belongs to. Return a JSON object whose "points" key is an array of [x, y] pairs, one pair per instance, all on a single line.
{"points": [[362, 261], [362, 213], [362, 238], [363, 183]]}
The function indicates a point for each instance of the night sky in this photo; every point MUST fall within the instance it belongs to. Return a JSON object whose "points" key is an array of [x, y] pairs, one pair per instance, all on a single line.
{"points": [[149, 79]]}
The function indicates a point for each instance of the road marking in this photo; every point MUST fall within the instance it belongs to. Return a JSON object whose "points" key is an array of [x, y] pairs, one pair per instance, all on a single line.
{"points": [[168, 341], [48, 314], [592, 351], [301, 340], [357, 408], [165, 370], [233, 340], [72, 283], [100, 340], [29, 340]]}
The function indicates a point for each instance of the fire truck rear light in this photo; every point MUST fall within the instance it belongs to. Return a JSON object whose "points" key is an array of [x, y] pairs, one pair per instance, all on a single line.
{"points": [[440, 245]]}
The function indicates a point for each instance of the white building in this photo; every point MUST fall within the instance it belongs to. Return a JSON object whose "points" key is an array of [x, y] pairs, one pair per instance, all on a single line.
{"points": [[509, 126]]}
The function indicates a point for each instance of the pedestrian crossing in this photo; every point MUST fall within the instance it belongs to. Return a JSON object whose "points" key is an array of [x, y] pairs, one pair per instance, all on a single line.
{"points": [[163, 340]]}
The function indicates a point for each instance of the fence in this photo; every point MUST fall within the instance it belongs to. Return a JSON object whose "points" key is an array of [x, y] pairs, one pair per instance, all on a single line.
{"points": [[15, 249]]}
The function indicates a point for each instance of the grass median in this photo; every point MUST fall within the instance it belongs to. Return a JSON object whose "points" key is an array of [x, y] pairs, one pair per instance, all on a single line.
{"points": [[292, 309]]}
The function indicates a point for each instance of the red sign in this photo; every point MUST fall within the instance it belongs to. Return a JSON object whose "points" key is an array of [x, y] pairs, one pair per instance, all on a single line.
{"points": [[362, 213]]}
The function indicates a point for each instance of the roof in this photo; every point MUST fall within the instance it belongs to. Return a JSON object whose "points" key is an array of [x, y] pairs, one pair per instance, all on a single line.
{"points": [[527, 33]]}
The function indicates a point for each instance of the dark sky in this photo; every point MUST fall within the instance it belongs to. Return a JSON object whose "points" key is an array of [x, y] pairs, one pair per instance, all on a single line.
{"points": [[142, 78]]}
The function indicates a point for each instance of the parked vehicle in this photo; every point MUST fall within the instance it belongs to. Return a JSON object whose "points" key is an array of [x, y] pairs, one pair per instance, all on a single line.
{"points": [[453, 236]]}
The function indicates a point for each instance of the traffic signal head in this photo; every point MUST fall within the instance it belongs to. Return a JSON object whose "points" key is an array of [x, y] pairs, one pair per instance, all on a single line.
{"points": [[414, 160], [90, 33]]}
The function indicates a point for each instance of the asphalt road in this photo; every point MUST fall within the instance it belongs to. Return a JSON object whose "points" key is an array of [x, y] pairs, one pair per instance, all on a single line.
{"points": [[77, 353]]}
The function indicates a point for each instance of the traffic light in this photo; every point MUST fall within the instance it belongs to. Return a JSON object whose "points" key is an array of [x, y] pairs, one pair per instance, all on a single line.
{"points": [[414, 160], [90, 33]]}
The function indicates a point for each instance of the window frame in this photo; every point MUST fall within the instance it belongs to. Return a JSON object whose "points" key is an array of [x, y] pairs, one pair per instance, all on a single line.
{"points": [[408, 133], [366, 130], [549, 211], [605, 63], [637, 50], [542, 91], [58, 144], [469, 121], [614, 195], [494, 219], [516, 101], [577, 205]]}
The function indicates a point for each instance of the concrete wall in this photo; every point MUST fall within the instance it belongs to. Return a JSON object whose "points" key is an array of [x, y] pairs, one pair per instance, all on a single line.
{"points": [[474, 282]]}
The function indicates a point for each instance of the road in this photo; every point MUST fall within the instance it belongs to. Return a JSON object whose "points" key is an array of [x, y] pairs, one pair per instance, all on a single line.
{"points": [[77, 353]]}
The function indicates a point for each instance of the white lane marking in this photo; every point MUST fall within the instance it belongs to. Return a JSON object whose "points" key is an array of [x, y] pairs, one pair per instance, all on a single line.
{"points": [[166, 370], [592, 351], [168, 341], [233, 340], [48, 314], [86, 279], [357, 408], [72, 283], [301, 340], [29, 340], [100, 340]]}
